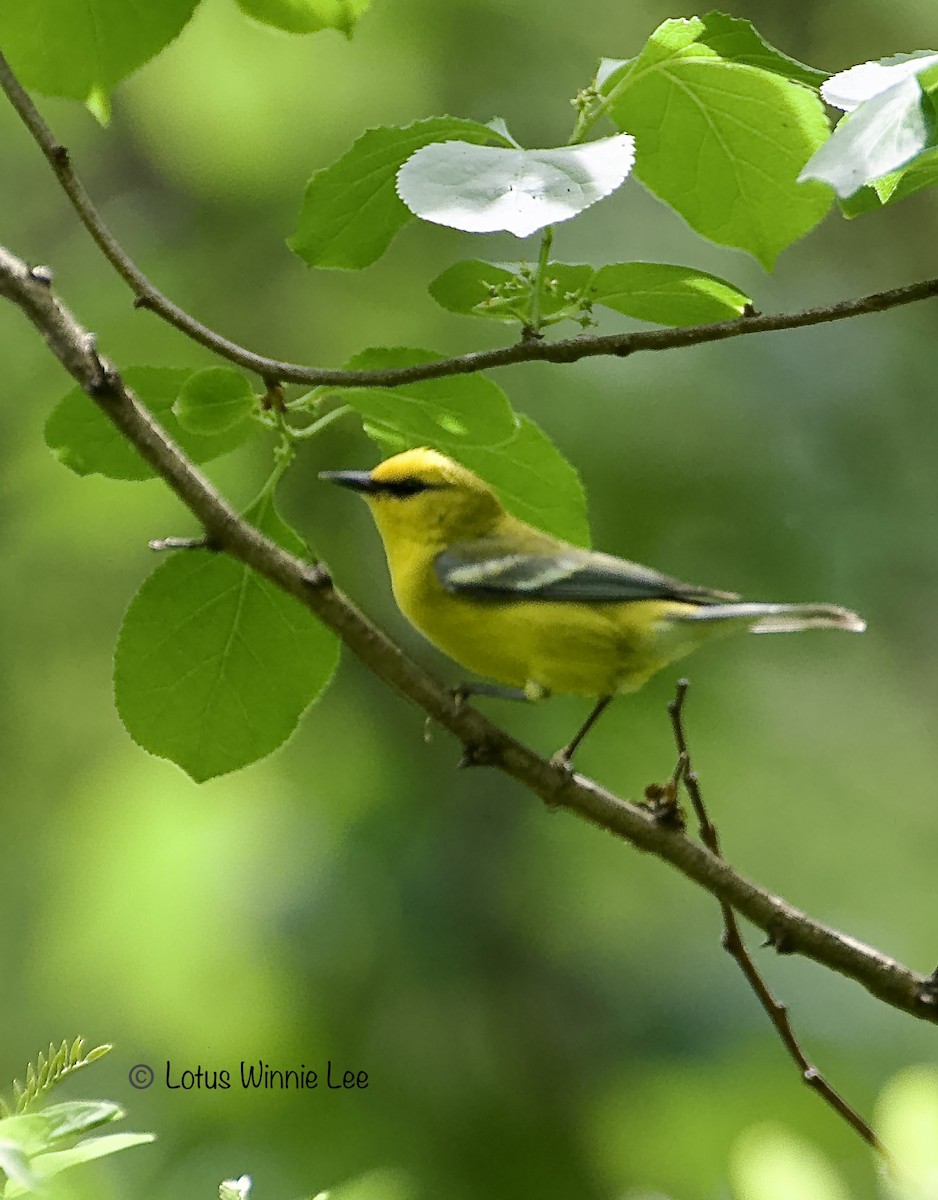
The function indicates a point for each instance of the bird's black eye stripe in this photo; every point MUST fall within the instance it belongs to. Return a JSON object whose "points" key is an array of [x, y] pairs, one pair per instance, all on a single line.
{"points": [[402, 488]]}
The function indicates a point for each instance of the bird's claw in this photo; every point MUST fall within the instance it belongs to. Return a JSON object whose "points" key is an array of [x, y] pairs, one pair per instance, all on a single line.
{"points": [[563, 760]]}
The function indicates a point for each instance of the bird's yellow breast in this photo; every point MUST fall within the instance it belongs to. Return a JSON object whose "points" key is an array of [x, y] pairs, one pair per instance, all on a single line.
{"points": [[588, 648]]}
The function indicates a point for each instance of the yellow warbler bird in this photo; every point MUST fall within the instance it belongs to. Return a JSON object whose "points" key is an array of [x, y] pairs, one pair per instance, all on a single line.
{"points": [[535, 613]]}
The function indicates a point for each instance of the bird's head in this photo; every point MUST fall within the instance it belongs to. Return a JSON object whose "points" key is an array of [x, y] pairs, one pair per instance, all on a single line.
{"points": [[423, 496]]}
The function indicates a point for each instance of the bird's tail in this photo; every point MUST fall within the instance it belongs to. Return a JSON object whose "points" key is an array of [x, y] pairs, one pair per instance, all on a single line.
{"points": [[779, 618]]}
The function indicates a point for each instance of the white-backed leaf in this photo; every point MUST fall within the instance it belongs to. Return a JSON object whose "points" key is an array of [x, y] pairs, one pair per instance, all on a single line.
{"points": [[878, 136], [351, 210], [484, 189], [848, 89]]}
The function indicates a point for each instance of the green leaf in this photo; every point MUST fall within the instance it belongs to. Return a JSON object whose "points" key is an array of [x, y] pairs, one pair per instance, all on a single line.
{"points": [[14, 1163], [26, 1133], [483, 189], [98, 103], [720, 141], [503, 292], [879, 136], [736, 40], [863, 201], [83, 48], [306, 16], [667, 294], [482, 289], [74, 1117], [84, 440], [923, 173], [452, 412], [535, 482], [215, 665], [351, 210], [45, 1166], [214, 401]]}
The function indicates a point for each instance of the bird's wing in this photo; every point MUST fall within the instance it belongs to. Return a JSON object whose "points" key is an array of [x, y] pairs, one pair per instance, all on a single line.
{"points": [[550, 570]]}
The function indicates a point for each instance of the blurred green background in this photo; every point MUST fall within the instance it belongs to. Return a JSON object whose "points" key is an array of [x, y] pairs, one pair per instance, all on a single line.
{"points": [[541, 1010]]}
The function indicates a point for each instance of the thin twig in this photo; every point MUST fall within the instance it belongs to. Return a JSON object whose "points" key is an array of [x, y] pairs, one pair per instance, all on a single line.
{"points": [[568, 350], [735, 946], [883, 977]]}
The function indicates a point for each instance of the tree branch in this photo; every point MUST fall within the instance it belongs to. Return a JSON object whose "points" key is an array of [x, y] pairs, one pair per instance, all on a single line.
{"points": [[568, 350], [789, 930], [734, 945]]}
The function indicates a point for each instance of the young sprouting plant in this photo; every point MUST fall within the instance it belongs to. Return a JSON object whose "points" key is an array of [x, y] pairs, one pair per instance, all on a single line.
{"points": [[39, 1140]]}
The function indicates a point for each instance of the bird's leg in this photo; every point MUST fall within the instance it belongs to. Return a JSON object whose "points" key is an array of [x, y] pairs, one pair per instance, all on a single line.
{"points": [[474, 756], [564, 757], [529, 693], [462, 693], [465, 690]]}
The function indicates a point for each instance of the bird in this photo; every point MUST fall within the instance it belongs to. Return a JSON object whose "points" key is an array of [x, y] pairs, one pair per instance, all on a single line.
{"points": [[535, 615]]}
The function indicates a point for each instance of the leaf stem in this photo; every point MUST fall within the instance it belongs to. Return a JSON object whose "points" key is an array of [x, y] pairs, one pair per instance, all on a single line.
{"points": [[540, 278], [284, 452], [309, 431]]}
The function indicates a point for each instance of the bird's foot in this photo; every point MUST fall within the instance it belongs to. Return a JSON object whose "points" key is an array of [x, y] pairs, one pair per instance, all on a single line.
{"points": [[563, 760], [462, 693]]}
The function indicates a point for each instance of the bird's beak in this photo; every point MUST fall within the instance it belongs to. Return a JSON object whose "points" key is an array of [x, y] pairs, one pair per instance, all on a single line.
{"points": [[358, 481]]}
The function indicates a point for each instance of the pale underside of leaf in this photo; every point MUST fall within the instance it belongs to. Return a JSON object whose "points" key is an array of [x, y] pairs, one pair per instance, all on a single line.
{"points": [[878, 137], [351, 210], [847, 89], [483, 189]]}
